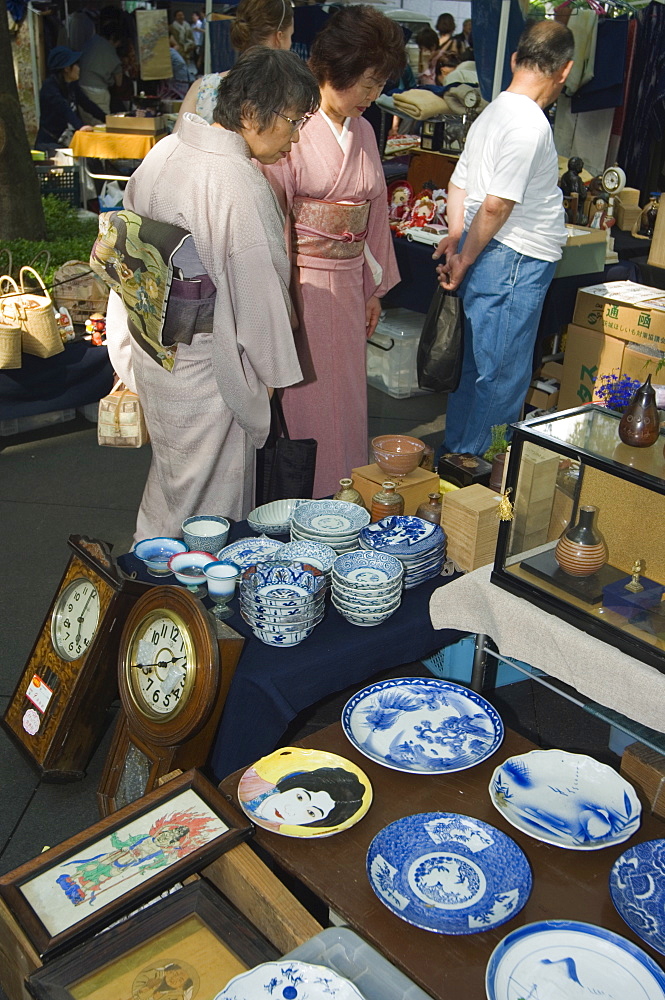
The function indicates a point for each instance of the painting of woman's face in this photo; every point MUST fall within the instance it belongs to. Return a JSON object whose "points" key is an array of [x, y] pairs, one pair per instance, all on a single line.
{"points": [[297, 807]]}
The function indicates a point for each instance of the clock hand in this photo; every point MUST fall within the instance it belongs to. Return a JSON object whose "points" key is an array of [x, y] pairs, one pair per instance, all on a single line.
{"points": [[81, 617], [160, 663]]}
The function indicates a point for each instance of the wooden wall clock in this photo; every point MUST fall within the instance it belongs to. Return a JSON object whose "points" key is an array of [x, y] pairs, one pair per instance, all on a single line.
{"points": [[57, 712], [174, 671]]}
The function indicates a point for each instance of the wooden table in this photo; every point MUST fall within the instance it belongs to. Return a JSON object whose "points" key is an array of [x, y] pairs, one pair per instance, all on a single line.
{"points": [[570, 885]]}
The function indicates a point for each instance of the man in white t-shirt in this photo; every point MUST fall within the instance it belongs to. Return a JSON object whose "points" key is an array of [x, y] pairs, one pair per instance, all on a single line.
{"points": [[506, 230]]}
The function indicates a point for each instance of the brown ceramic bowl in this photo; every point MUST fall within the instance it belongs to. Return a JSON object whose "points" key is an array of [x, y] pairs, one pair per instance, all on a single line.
{"points": [[397, 454]]}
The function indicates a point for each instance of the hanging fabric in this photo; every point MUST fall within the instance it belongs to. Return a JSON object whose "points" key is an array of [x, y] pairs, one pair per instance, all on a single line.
{"points": [[645, 114]]}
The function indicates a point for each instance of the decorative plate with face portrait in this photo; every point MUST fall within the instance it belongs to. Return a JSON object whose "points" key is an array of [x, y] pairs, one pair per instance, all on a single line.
{"points": [[304, 793]]}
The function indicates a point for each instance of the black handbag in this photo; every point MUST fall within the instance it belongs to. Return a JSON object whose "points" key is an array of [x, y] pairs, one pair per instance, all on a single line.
{"points": [[439, 360], [284, 468]]}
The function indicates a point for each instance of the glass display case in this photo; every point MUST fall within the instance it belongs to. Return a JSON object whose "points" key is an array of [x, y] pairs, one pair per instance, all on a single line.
{"points": [[587, 540]]}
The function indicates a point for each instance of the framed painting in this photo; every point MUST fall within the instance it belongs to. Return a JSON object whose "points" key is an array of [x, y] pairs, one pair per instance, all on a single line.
{"points": [[103, 873], [184, 947]]}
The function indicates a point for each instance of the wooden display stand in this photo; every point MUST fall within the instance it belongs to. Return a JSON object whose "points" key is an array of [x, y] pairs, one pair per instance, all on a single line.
{"points": [[657, 251], [469, 519], [415, 488]]}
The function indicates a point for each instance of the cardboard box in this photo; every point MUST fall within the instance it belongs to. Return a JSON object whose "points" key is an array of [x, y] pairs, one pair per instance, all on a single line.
{"points": [[121, 122], [645, 769], [627, 215], [543, 394], [589, 353], [469, 519], [623, 309], [415, 488], [584, 252]]}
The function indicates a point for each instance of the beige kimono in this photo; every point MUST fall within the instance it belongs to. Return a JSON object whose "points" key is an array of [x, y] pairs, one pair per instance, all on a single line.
{"points": [[207, 416]]}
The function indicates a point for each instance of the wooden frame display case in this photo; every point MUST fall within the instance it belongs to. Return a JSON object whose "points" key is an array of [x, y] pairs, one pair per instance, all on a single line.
{"points": [[190, 943], [562, 465], [84, 884]]}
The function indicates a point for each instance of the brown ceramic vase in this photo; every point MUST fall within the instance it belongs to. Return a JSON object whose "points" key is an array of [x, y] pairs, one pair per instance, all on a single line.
{"points": [[581, 550], [386, 502], [348, 493], [430, 510], [640, 424]]}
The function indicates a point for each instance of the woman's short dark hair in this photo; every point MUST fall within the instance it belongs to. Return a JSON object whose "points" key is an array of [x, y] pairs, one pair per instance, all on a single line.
{"points": [[257, 20], [427, 38], [355, 39], [262, 82], [545, 46], [446, 59], [445, 24], [343, 786]]}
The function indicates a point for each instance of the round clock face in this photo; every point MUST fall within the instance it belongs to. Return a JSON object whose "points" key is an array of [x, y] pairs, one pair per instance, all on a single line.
{"points": [[614, 180], [160, 664], [75, 619]]}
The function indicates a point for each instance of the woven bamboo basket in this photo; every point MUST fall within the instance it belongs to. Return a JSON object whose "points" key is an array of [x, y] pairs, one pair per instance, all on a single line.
{"points": [[41, 336]]}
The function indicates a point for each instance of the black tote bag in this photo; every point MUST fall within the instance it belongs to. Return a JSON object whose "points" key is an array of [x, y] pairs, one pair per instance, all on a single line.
{"points": [[284, 468], [439, 360]]}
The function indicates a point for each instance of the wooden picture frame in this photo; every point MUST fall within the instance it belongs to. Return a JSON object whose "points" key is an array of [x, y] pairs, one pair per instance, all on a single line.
{"points": [[116, 865], [193, 933]]}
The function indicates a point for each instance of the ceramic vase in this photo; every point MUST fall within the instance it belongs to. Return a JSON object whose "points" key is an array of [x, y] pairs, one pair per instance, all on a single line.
{"points": [[640, 424], [430, 510], [581, 550], [496, 475], [348, 493], [386, 502]]}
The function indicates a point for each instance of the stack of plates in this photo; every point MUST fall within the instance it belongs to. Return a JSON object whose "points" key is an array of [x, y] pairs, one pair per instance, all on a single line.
{"points": [[333, 522], [367, 586], [419, 545], [282, 602], [314, 553]]}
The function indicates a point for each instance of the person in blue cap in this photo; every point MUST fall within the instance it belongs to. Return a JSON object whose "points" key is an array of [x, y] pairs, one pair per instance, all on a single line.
{"points": [[61, 99]]}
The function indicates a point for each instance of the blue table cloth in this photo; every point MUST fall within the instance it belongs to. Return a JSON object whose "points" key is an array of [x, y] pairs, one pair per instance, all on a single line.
{"points": [[271, 685], [80, 374]]}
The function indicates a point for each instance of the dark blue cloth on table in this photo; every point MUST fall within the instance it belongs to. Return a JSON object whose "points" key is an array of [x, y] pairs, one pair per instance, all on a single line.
{"points": [[605, 90], [80, 374], [271, 685]]}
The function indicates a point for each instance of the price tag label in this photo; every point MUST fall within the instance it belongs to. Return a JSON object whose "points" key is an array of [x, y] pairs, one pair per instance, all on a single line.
{"points": [[39, 693]]}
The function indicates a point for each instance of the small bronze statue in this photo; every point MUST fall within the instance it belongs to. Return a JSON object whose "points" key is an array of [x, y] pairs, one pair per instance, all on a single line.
{"points": [[635, 586], [572, 184]]}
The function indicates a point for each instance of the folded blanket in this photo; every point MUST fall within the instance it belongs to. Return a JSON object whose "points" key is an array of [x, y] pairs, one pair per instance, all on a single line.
{"points": [[420, 104]]}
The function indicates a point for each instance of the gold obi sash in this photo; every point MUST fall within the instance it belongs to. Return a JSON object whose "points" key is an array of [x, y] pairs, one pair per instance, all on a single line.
{"points": [[328, 229]]}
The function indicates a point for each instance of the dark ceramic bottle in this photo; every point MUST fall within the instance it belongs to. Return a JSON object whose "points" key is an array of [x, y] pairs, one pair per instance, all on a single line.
{"points": [[640, 424], [581, 550], [386, 502], [430, 510]]}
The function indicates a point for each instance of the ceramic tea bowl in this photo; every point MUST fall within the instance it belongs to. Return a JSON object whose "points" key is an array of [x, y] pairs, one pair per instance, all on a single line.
{"points": [[207, 533], [156, 552], [273, 518], [188, 568], [397, 454], [282, 574]]}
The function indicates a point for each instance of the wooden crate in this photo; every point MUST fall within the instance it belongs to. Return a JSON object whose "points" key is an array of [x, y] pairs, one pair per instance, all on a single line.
{"points": [[415, 487], [469, 519], [645, 769], [535, 495]]}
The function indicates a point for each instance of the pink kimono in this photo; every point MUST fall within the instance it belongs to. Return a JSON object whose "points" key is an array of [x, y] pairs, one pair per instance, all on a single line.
{"points": [[330, 404]]}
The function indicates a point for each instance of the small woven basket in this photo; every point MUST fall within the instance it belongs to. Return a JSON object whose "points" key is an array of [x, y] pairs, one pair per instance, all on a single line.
{"points": [[41, 336]]}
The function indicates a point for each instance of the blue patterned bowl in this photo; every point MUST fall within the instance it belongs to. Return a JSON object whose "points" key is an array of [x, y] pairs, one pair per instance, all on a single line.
{"points": [[314, 553], [330, 517], [368, 569], [273, 518], [284, 574], [205, 532], [156, 552]]}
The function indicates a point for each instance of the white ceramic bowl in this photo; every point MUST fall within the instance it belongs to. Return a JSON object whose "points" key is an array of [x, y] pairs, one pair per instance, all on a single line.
{"points": [[188, 567], [273, 518], [156, 552], [207, 533]]}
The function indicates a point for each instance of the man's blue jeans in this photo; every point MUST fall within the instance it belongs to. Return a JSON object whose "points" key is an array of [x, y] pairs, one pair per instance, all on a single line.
{"points": [[503, 294]]}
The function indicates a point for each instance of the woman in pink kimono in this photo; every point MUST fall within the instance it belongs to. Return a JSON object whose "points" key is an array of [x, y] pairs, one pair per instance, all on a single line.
{"points": [[208, 410], [333, 189]]}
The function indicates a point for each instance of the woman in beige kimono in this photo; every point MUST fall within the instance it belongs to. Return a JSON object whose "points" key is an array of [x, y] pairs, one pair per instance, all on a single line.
{"points": [[208, 414], [332, 187]]}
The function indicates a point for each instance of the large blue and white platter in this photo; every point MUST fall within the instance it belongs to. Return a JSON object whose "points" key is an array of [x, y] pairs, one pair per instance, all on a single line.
{"points": [[289, 980], [571, 960], [246, 551], [448, 873], [637, 888], [402, 535], [330, 517], [422, 725], [566, 799]]}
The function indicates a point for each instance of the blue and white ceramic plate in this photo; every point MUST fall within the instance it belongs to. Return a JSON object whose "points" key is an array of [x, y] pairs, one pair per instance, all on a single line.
{"points": [[289, 980], [402, 535], [331, 517], [315, 553], [246, 551], [571, 960], [448, 873], [368, 569], [566, 799], [637, 888], [422, 724]]}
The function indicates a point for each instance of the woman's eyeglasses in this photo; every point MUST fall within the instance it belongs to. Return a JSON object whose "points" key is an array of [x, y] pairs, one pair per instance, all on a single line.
{"points": [[295, 123]]}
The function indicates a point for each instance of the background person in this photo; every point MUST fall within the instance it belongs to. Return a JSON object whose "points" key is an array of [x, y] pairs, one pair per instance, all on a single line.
{"points": [[208, 415], [183, 34], [101, 65], [60, 100], [448, 42], [332, 183], [506, 230], [257, 22]]}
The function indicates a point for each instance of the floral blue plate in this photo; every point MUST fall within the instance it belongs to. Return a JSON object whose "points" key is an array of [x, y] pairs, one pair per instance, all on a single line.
{"points": [[448, 873], [571, 960], [289, 980], [330, 517], [422, 724], [566, 799], [637, 888], [402, 535], [246, 551]]}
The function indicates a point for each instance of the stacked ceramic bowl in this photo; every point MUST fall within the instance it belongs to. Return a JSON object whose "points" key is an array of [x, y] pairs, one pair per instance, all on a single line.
{"points": [[332, 522], [419, 545], [282, 602], [367, 586], [313, 553]]}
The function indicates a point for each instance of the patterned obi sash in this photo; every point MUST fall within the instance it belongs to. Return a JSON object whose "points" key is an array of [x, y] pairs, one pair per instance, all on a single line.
{"points": [[328, 229]]}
